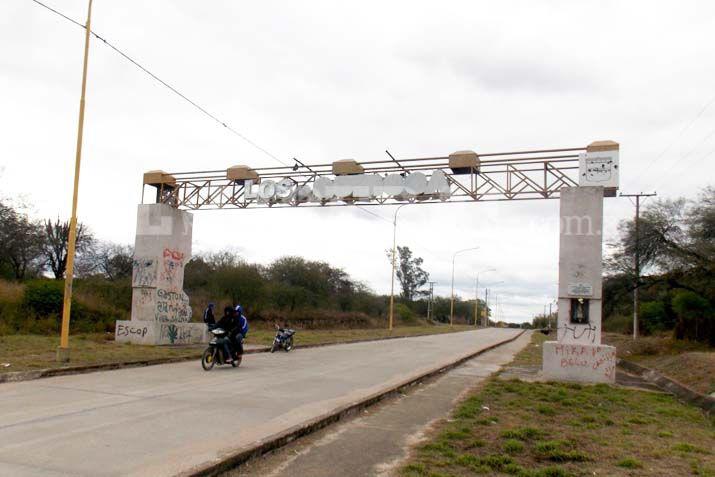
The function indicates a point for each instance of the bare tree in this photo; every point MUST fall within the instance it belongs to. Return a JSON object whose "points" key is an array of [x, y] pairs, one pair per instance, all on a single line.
{"points": [[20, 241], [111, 260], [56, 242]]}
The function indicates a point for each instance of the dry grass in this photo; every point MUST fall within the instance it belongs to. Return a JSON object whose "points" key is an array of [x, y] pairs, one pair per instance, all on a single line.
{"points": [[693, 364], [11, 292], [510, 427], [29, 352]]}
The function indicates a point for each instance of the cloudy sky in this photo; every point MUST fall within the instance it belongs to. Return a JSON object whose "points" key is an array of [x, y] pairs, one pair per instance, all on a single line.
{"points": [[331, 80]]}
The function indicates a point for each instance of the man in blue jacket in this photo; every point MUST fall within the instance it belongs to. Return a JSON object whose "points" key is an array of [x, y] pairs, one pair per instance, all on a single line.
{"points": [[241, 328]]}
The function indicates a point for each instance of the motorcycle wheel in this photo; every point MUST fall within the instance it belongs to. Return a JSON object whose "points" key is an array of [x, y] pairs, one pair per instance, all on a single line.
{"points": [[289, 345], [208, 359], [273, 347], [237, 361]]}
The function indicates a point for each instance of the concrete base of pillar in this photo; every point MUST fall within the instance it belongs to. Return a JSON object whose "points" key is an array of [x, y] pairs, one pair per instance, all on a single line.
{"points": [[579, 362], [157, 333]]}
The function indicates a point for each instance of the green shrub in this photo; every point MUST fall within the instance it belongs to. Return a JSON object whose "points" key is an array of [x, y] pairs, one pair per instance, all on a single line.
{"points": [[44, 297], [404, 313], [41, 310], [695, 320], [653, 317]]}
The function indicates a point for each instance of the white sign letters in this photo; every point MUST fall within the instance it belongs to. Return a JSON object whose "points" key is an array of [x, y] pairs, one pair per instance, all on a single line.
{"points": [[351, 187]]}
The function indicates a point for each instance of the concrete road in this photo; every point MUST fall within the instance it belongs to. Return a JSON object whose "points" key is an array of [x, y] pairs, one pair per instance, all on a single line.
{"points": [[169, 419]]}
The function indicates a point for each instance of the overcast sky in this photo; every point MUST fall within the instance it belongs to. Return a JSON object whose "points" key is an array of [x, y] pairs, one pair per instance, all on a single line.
{"points": [[332, 80]]}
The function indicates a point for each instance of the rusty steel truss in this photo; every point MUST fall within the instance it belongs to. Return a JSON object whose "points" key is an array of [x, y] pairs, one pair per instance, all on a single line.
{"points": [[521, 175]]}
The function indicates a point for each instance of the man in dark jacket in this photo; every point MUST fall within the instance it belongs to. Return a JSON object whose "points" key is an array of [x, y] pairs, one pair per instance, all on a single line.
{"points": [[228, 324]]}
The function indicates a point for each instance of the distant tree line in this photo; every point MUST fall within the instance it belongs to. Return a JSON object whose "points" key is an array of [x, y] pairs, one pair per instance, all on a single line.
{"points": [[34, 254]]}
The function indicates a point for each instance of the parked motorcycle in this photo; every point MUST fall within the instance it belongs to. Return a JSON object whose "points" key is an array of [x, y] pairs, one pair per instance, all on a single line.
{"points": [[214, 354], [283, 339]]}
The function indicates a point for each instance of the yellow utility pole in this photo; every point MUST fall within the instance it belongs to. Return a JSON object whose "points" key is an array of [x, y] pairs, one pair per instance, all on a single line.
{"points": [[63, 352]]}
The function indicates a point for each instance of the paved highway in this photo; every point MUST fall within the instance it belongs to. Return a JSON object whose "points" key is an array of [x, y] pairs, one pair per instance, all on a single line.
{"points": [[169, 419]]}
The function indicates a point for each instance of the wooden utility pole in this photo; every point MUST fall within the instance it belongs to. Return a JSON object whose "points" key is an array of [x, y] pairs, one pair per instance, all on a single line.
{"points": [[637, 261], [63, 351], [430, 297], [486, 307]]}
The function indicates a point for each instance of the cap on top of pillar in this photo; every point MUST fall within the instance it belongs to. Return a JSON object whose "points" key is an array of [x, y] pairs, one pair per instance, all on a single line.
{"points": [[159, 178], [345, 167], [240, 174], [598, 146], [464, 162]]}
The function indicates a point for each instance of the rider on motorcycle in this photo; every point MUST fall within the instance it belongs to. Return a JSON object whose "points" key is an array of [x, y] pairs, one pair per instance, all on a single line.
{"points": [[228, 324]]}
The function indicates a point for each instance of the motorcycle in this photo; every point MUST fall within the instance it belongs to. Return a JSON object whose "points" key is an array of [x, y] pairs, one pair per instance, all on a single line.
{"points": [[214, 354], [283, 339]]}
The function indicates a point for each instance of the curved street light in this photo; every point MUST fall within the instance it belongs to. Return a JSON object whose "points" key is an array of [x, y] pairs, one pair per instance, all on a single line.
{"points": [[451, 307]]}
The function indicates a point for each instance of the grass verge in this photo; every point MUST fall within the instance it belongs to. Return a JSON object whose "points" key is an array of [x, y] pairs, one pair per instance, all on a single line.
{"points": [[31, 352], [511, 427]]}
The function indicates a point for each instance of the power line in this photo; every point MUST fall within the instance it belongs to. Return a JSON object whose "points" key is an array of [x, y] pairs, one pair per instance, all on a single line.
{"points": [[680, 134], [165, 84], [181, 95], [670, 178]]}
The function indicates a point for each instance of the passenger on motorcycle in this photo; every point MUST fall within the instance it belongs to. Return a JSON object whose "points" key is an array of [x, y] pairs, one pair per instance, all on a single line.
{"points": [[241, 328], [209, 317]]}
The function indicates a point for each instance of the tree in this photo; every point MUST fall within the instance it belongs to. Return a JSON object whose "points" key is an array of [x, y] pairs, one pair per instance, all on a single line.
{"points": [[677, 253], [56, 242], [409, 272], [695, 320], [108, 259], [676, 236], [20, 241]]}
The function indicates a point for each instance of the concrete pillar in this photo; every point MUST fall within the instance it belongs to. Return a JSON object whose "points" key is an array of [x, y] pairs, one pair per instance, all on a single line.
{"points": [[161, 313], [578, 354]]}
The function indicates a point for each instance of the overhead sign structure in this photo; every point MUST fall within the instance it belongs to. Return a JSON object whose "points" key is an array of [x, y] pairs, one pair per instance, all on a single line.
{"points": [[459, 177], [579, 177]]}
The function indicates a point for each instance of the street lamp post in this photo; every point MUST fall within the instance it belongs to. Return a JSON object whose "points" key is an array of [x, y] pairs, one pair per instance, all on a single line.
{"points": [[451, 307], [476, 295], [394, 259], [486, 303]]}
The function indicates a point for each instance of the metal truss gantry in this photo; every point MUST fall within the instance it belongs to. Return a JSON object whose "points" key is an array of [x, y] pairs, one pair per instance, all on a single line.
{"points": [[499, 176]]}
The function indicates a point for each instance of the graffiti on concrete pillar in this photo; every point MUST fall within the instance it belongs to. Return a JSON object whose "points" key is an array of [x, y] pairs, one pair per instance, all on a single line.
{"points": [[128, 330], [175, 334], [172, 306], [172, 267], [143, 272], [578, 332]]}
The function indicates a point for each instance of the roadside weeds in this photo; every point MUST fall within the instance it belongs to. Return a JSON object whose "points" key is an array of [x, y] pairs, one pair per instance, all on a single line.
{"points": [[537, 429]]}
